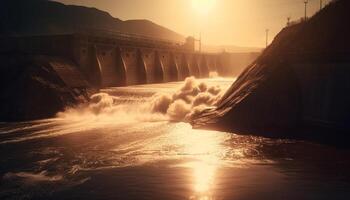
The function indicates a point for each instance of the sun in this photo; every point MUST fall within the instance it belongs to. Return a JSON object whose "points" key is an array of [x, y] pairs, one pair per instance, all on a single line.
{"points": [[203, 6]]}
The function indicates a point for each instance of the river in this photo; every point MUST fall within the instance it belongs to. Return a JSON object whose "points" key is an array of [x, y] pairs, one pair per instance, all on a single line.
{"points": [[119, 148]]}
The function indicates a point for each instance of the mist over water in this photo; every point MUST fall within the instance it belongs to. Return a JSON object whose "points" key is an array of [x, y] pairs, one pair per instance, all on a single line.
{"points": [[193, 96], [131, 106], [188, 99]]}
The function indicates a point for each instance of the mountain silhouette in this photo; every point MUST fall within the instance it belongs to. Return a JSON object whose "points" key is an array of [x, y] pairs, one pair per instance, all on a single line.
{"points": [[42, 17]]}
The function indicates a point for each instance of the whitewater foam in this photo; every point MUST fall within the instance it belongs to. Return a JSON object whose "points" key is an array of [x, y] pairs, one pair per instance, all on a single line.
{"points": [[111, 110], [190, 98]]}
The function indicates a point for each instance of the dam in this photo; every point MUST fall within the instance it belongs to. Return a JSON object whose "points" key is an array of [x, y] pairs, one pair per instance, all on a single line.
{"points": [[112, 59], [99, 115]]}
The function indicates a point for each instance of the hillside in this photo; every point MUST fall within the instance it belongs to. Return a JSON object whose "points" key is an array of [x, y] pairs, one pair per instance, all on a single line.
{"points": [[297, 88], [37, 17]]}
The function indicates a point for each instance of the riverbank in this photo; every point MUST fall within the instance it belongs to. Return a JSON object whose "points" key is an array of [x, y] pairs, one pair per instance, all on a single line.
{"points": [[297, 88]]}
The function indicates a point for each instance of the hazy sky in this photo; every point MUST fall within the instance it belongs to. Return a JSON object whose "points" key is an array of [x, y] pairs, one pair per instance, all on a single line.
{"points": [[222, 22]]}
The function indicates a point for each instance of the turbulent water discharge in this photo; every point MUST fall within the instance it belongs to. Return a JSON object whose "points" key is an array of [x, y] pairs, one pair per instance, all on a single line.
{"points": [[134, 143], [178, 105]]}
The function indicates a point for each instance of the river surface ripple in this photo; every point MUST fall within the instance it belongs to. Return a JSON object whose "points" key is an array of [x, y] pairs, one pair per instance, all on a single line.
{"points": [[128, 153]]}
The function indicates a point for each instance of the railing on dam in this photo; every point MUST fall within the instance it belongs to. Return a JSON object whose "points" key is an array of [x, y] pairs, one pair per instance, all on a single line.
{"points": [[132, 37]]}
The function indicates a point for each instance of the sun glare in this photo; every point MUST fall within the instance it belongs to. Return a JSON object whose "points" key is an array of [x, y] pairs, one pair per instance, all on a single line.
{"points": [[203, 6]]}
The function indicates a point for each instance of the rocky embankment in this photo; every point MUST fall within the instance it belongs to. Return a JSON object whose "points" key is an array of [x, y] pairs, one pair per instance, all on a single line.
{"points": [[297, 88], [36, 87]]}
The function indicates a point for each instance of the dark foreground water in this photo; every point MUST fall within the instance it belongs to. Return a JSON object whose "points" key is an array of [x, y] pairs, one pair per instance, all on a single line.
{"points": [[122, 150]]}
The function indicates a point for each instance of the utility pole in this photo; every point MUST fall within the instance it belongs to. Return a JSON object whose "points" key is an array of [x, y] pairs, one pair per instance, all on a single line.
{"points": [[200, 41], [267, 37], [306, 2], [288, 21], [321, 4]]}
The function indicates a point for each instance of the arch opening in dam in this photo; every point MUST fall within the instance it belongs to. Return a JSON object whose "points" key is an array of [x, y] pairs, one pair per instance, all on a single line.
{"points": [[202, 65], [154, 72], [107, 59], [166, 62], [181, 65], [191, 65], [131, 62], [211, 61], [88, 63]]}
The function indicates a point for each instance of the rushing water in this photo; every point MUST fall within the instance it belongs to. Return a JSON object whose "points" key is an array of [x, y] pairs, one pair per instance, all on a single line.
{"points": [[123, 150]]}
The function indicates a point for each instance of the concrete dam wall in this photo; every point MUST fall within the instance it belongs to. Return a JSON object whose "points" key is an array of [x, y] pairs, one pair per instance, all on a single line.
{"points": [[111, 61], [65, 70]]}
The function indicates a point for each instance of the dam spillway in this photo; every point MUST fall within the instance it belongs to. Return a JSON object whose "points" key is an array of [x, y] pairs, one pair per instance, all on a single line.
{"points": [[112, 60]]}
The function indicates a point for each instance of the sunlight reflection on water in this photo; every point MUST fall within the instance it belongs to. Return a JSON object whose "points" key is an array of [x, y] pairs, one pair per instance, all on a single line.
{"points": [[204, 150], [130, 152]]}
